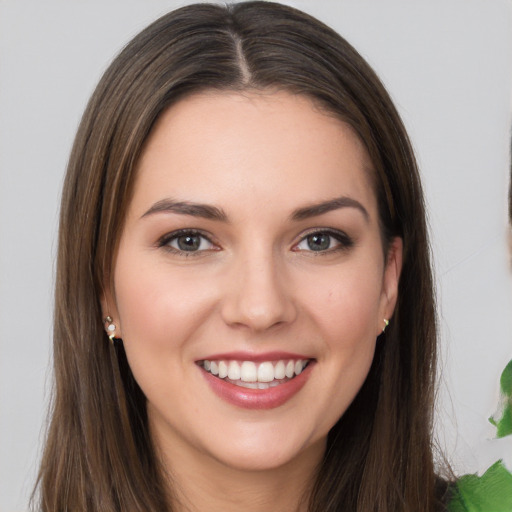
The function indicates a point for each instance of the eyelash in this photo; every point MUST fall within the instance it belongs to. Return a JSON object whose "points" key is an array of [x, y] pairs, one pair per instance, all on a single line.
{"points": [[344, 242], [166, 240]]}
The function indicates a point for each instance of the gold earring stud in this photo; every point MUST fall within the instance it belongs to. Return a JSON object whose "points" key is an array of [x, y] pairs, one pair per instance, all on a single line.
{"points": [[386, 323]]}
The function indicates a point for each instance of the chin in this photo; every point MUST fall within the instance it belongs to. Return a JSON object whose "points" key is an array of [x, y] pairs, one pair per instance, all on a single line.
{"points": [[268, 452]]}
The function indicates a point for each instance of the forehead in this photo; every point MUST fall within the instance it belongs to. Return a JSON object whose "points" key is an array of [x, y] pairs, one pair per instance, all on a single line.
{"points": [[259, 147]]}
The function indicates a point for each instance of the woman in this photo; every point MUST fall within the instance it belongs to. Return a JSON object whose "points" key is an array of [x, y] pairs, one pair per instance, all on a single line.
{"points": [[242, 218]]}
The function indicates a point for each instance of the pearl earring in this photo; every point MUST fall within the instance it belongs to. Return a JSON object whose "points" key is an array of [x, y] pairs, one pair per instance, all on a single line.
{"points": [[110, 327], [386, 323]]}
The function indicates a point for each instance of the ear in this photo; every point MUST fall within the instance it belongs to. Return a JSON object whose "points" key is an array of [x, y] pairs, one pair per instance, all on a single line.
{"points": [[109, 309], [390, 282]]}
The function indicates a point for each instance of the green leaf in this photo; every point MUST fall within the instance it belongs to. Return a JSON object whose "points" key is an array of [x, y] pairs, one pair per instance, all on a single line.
{"points": [[492, 492], [502, 419], [506, 380]]}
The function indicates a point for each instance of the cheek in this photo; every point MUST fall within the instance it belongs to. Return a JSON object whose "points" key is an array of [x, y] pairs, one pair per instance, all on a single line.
{"points": [[162, 315], [158, 307], [346, 303], [341, 308]]}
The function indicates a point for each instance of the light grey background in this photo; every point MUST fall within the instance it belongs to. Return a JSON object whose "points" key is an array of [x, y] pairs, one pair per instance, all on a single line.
{"points": [[447, 64]]}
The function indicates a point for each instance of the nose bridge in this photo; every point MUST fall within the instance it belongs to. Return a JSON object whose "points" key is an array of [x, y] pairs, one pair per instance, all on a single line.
{"points": [[259, 295]]}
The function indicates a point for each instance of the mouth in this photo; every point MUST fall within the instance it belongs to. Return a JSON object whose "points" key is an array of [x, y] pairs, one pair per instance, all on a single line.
{"points": [[255, 375], [257, 382]]}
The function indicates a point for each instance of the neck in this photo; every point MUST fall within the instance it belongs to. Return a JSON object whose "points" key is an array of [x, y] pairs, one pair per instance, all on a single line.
{"points": [[199, 482]]}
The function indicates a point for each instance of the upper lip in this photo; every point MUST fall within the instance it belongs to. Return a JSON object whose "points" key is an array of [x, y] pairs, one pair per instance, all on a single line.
{"points": [[255, 357]]}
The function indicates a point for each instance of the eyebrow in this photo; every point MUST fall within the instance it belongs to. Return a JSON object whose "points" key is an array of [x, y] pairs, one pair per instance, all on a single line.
{"points": [[210, 212], [187, 208], [327, 206]]}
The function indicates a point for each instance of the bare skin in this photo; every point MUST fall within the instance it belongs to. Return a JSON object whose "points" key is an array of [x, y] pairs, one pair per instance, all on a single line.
{"points": [[252, 239], [204, 485]]}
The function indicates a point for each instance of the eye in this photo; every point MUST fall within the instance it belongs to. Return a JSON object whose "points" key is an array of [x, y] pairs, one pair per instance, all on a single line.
{"points": [[324, 241], [186, 241]]}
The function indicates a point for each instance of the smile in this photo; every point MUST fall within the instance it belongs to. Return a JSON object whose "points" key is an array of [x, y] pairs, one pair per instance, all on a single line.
{"points": [[252, 375], [261, 382]]}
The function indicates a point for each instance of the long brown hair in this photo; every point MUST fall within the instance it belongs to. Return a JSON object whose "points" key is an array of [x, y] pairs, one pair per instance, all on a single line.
{"points": [[99, 455]]}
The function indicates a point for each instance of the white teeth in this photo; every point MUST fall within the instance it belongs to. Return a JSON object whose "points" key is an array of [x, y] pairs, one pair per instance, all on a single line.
{"points": [[248, 372], [233, 370], [279, 370], [266, 372], [223, 370], [254, 375], [249, 385], [290, 369]]}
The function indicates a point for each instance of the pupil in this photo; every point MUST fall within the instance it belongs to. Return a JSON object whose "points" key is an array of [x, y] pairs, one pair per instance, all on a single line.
{"points": [[319, 242], [189, 242]]}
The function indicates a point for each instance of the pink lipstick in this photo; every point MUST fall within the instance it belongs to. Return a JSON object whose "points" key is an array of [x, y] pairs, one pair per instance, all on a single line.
{"points": [[251, 381]]}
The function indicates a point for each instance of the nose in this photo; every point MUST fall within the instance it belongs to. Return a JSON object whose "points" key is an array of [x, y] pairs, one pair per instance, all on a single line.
{"points": [[258, 295]]}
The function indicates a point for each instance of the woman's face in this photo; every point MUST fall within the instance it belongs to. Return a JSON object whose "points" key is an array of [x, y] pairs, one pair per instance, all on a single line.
{"points": [[251, 248]]}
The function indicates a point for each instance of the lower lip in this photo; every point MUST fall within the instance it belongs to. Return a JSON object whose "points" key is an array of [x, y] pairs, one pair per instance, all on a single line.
{"points": [[257, 398]]}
